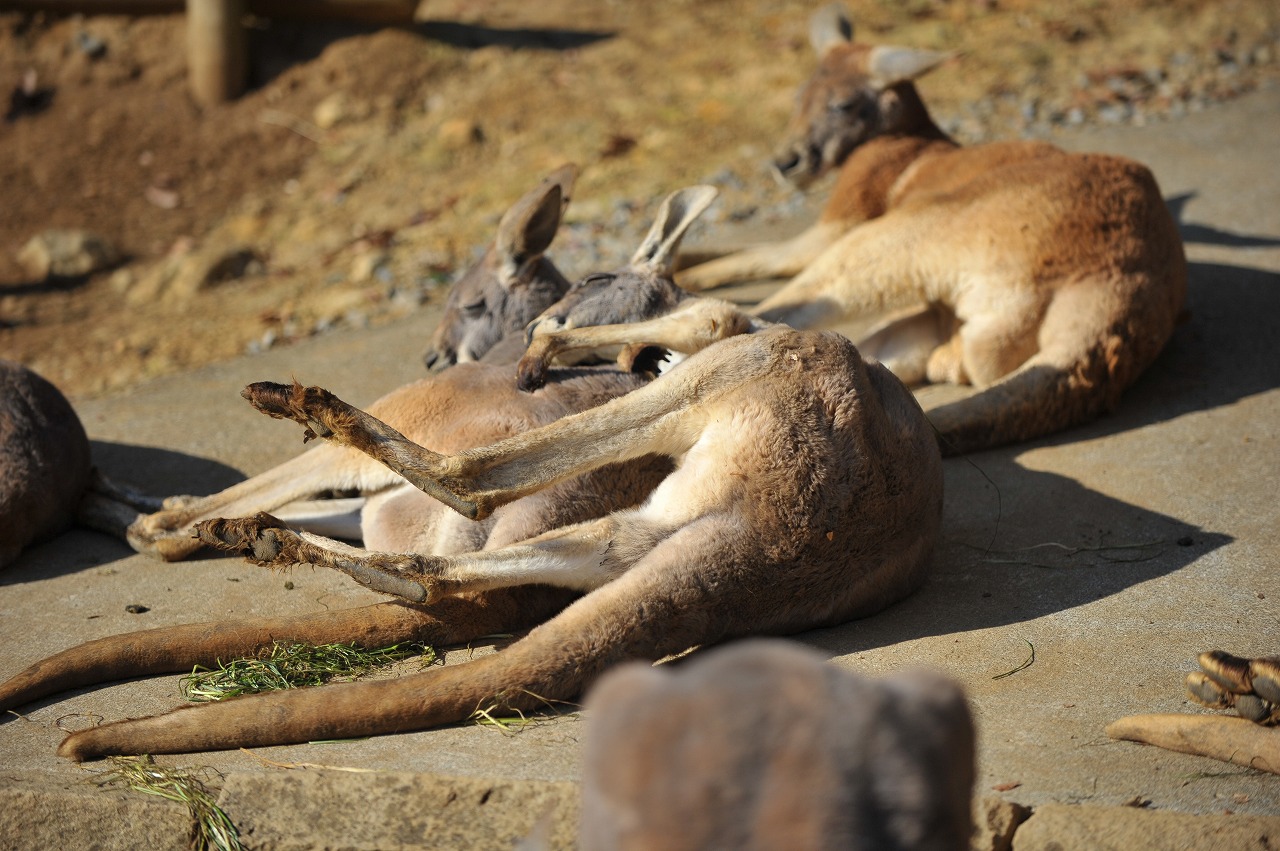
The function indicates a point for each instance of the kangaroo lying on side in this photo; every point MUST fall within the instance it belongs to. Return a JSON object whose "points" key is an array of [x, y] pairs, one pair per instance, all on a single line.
{"points": [[1049, 279], [512, 283], [807, 491], [765, 744], [467, 405]]}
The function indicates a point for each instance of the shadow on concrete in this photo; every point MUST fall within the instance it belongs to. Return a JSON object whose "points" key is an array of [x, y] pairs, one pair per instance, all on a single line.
{"points": [[162, 472], [1206, 235], [157, 472], [1009, 555]]}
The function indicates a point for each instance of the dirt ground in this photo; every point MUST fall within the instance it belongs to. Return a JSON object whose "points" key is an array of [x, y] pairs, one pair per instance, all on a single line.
{"points": [[365, 166]]}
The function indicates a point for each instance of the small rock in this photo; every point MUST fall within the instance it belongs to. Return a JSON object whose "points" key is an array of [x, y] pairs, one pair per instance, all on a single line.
{"points": [[367, 265], [136, 609], [458, 133], [330, 111], [1115, 113], [165, 199], [186, 272], [121, 281], [67, 254], [994, 822], [90, 45]]}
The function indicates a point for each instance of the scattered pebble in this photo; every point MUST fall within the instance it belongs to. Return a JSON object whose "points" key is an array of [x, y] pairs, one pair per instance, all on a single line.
{"points": [[136, 609]]}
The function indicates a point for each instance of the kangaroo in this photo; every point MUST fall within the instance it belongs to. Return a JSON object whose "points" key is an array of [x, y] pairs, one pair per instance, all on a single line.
{"points": [[47, 481], [467, 405], [806, 491], [47, 478], [1049, 280], [765, 744], [44, 460], [512, 283]]}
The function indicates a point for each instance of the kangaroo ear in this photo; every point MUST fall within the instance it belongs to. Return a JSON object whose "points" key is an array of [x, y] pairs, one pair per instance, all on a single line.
{"points": [[888, 66], [830, 27], [658, 251], [527, 229]]}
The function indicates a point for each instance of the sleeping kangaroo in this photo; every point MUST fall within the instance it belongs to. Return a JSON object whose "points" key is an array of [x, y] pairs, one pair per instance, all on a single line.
{"points": [[512, 283], [467, 405], [1047, 279], [806, 491]]}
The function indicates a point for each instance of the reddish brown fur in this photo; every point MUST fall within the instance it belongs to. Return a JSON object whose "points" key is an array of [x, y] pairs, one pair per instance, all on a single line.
{"points": [[1050, 280]]}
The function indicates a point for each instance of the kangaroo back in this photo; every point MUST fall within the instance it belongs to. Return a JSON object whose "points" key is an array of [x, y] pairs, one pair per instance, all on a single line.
{"points": [[44, 460], [818, 758]]}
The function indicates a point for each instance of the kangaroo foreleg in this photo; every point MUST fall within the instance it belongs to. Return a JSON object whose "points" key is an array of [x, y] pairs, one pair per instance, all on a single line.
{"points": [[691, 327], [168, 533], [579, 557]]}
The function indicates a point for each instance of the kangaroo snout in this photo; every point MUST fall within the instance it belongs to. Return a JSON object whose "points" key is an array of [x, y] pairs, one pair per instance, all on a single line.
{"points": [[796, 166]]}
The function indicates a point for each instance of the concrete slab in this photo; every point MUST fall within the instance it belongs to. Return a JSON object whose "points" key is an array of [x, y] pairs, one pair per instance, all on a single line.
{"points": [[1118, 551]]}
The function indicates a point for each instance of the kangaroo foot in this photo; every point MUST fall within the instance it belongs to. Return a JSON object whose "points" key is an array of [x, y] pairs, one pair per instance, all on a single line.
{"points": [[1232, 740], [165, 535], [1250, 686], [266, 541]]}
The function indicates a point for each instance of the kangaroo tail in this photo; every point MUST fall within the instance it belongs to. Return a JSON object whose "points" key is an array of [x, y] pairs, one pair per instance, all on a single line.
{"points": [[179, 648], [555, 662]]}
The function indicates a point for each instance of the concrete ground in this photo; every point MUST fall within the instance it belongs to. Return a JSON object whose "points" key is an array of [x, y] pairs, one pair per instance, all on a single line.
{"points": [[1118, 551]]}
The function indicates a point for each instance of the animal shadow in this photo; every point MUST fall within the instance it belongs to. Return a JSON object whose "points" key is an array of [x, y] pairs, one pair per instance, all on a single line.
{"points": [[1010, 553], [154, 471]]}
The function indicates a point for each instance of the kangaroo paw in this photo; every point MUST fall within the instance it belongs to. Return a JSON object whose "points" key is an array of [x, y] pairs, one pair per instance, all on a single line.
{"points": [[531, 372], [266, 541], [1266, 678], [1250, 686], [312, 407]]}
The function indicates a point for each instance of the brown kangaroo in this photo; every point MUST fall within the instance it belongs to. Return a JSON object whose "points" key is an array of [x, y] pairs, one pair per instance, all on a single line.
{"points": [[44, 460], [807, 491], [467, 405], [47, 479], [1047, 279], [513, 282], [765, 744]]}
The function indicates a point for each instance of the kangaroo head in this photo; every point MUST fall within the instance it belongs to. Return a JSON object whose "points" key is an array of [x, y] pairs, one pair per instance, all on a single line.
{"points": [[643, 289], [857, 93], [512, 283]]}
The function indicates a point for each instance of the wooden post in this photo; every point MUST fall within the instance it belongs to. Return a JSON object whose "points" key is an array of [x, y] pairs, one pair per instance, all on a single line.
{"points": [[217, 50]]}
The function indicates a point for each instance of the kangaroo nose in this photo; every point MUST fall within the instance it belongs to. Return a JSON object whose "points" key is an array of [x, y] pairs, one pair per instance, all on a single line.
{"points": [[787, 162]]}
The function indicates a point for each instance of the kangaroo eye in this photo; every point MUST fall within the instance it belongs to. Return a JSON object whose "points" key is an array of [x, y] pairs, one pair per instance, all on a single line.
{"points": [[474, 309], [597, 278]]}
